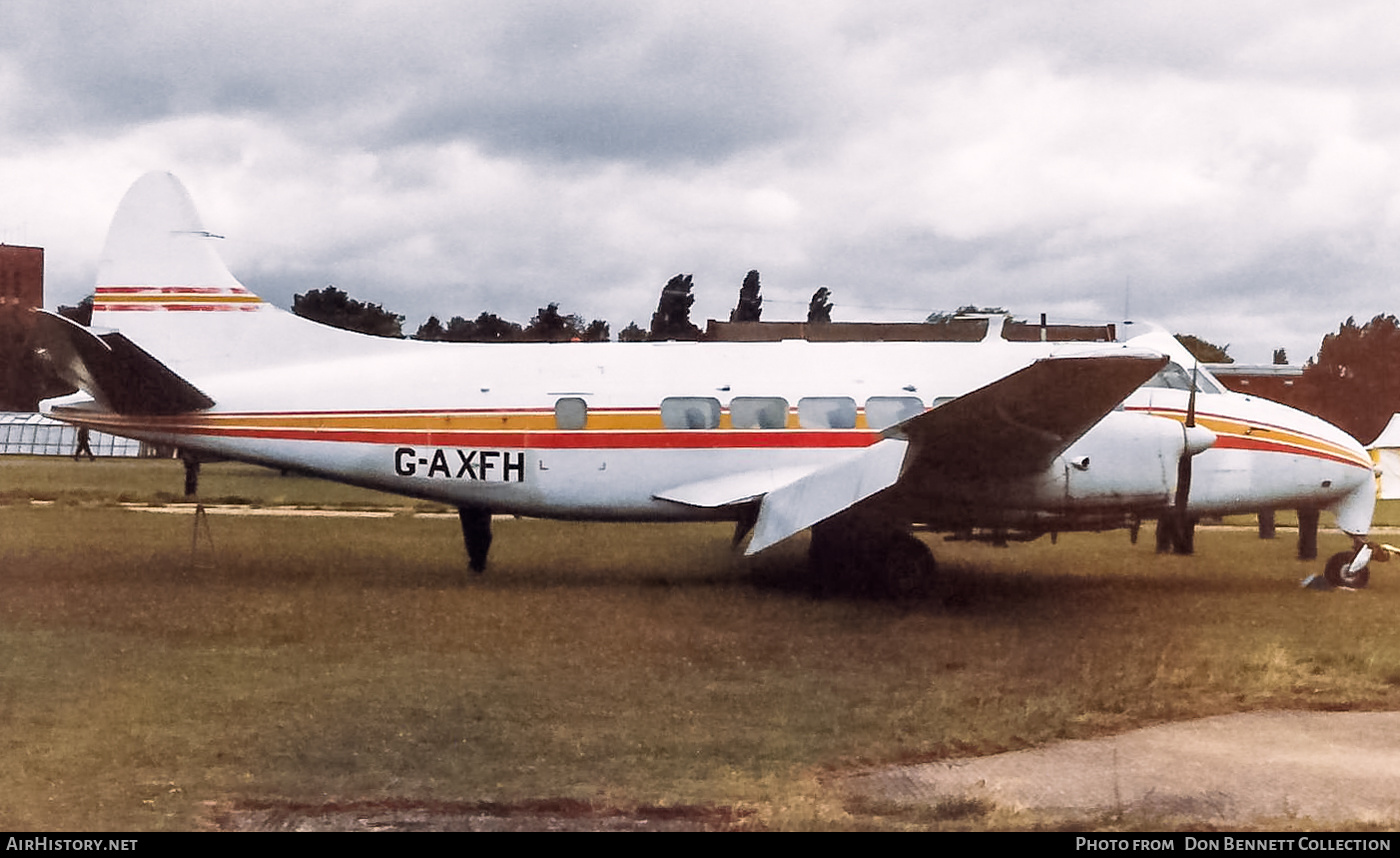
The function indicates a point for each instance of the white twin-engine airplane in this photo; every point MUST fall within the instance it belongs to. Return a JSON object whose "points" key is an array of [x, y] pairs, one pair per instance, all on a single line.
{"points": [[859, 441]]}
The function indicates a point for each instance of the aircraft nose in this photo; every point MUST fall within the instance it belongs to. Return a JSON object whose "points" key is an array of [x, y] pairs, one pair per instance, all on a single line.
{"points": [[1357, 507]]}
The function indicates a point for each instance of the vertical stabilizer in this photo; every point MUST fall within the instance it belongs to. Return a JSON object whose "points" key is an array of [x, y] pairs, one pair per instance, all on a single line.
{"points": [[159, 257], [162, 285]]}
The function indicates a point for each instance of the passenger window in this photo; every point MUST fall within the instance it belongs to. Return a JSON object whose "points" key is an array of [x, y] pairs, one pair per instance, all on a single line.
{"points": [[826, 412], [690, 412], [882, 412], [758, 412], [571, 412]]}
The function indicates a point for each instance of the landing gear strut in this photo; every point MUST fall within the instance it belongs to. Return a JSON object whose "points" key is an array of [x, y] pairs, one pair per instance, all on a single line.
{"points": [[1176, 534], [191, 474], [201, 519], [476, 533], [1307, 533]]}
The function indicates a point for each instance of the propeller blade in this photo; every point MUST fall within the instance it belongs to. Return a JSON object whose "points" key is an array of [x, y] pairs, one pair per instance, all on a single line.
{"points": [[1191, 401], [1183, 535], [1183, 464]]}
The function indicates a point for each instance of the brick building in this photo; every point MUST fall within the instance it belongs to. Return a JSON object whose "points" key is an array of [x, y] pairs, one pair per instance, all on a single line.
{"points": [[21, 276], [22, 382]]}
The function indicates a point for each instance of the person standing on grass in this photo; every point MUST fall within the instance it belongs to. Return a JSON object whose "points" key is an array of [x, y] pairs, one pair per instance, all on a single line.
{"points": [[84, 448]]}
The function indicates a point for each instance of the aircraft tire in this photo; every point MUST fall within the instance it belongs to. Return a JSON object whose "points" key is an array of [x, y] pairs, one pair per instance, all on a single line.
{"points": [[865, 556], [1336, 572], [909, 565]]}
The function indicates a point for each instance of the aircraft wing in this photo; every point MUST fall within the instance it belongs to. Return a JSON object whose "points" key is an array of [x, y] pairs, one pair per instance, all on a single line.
{"points": [[1015, 425], [1020, 423]]}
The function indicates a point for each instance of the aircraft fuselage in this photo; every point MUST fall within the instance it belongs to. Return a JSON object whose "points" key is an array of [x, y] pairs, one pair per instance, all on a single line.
{"points": [[599, 431]]}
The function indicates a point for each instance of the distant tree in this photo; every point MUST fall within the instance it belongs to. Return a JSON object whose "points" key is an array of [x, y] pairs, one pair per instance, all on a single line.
{"points": [[1280, 357], [1353, 382], [551, 326], [750, 304], [431, 330], [819, 309], [487, 328], [596, 332], [671, 321], [1203, 351], [633, 333], [460, 330], [331, 306], [82, 313]]}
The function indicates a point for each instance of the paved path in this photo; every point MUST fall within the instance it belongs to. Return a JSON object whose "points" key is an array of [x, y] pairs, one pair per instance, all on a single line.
{"points": [[1329, 766]]}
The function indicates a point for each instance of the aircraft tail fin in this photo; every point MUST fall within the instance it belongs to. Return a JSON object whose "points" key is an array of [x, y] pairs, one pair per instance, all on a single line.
{"points": [[158, 257], [161, 283]]}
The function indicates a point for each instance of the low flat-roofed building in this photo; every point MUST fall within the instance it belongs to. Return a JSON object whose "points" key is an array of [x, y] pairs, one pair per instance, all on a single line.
{"points": [[1269, 381]]}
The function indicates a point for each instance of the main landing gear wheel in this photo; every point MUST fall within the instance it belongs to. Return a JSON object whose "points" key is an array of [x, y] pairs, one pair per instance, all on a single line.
{"points": [[1338, 573], [909, 565], [849, 555]]}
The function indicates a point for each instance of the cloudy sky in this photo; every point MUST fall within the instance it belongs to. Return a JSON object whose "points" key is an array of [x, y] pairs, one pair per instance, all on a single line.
{"points": [[1229, 170]]}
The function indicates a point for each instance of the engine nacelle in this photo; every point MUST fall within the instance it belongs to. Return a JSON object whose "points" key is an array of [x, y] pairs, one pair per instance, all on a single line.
{"points": [[1127, 460]]}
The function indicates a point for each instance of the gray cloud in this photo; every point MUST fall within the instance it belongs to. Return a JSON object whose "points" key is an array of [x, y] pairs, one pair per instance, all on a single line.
{"points": [[1232, 167], [560, 81]]}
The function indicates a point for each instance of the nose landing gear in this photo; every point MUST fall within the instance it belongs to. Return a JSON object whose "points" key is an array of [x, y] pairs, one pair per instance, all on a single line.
{"points": [[1339, 571], [1351, 569]]}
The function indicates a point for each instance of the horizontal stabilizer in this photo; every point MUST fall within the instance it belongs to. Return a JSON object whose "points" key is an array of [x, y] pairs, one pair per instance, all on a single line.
{"points": [[824, 493], [113, 370]]}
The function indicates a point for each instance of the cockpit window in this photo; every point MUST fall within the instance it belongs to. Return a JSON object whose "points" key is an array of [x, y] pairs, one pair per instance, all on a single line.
{"points": [[1174, 377]]}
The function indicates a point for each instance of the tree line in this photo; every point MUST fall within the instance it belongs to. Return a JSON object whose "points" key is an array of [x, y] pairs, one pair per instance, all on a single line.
{"points": [[671, 321], [1353, 381]]}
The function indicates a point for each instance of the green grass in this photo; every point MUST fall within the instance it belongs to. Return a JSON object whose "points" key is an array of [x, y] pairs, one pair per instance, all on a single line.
{"points": [[160, 481], [316, 660]]}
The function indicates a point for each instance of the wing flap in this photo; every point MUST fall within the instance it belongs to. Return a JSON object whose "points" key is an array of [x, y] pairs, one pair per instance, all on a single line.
{"points": [[826, 492]]}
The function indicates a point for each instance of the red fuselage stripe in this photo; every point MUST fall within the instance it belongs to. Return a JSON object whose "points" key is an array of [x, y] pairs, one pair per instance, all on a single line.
{"points": [[671, 439]]}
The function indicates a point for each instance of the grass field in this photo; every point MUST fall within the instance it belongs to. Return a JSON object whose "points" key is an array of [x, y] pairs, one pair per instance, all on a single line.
{"points": [[300, 660]]}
